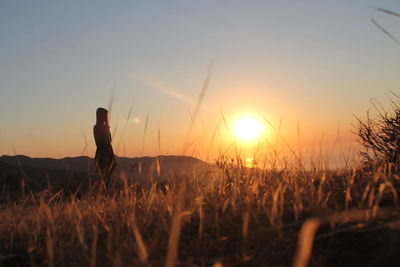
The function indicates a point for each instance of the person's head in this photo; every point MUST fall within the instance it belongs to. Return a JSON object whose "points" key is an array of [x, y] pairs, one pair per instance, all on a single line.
{"points": [[102, 116]]}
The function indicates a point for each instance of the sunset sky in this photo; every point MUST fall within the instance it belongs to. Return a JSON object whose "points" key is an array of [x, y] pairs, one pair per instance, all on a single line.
{"points": [[311, 64]]}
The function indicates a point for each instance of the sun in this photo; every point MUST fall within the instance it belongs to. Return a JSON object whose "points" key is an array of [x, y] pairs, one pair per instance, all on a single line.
{"points": [[248, 129]]}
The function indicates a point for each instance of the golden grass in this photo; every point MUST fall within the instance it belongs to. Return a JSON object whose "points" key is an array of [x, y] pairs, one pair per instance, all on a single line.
{"points": [[240, 216]]}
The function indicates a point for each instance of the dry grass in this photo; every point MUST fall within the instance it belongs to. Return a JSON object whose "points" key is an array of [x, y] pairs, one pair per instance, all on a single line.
{"points": [[241, 217]]}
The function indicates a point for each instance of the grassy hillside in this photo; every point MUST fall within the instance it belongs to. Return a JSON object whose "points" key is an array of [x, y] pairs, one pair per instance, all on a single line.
{"points": [[237, 217]]}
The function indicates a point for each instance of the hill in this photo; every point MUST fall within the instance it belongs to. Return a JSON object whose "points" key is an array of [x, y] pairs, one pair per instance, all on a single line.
{"points": [[134, 169]]}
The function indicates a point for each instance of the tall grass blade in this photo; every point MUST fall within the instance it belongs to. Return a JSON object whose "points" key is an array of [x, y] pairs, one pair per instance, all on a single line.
{"points": [[387, 11], [144, 134], [385, 31]]}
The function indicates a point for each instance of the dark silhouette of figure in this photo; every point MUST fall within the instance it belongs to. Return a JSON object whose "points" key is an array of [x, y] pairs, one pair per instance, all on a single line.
{"points": [[104, 159]]}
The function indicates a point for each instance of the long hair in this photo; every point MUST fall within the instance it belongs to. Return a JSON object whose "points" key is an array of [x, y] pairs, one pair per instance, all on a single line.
{"points": [[102, 116]]}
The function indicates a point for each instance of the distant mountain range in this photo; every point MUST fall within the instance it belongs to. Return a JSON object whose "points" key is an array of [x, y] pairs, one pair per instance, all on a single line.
{"points": [[142, 168]]}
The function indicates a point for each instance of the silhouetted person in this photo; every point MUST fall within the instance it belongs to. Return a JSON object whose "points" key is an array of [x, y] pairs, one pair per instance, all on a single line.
{"points": [[105, 159]]}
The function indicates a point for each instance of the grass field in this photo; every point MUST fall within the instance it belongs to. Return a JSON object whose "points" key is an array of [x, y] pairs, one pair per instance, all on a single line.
{"points": [[239, 217]]}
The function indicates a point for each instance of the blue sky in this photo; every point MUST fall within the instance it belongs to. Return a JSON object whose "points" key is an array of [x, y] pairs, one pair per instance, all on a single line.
{"points": [[316, 63]]}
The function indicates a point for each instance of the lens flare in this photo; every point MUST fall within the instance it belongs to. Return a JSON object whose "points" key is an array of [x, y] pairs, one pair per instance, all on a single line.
{"points": [[135, 120]]}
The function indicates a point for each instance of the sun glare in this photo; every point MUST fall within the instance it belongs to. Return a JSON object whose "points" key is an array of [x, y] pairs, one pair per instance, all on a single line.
{"points": [[248, 129]]}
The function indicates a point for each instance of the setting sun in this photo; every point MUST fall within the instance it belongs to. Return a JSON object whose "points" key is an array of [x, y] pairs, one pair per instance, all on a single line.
{"points": [[248, 129]]}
